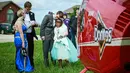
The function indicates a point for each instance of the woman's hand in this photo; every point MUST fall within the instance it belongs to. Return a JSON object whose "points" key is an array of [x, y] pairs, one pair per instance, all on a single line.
{"points": [[60, 37], [23, 45], [34, 23]]}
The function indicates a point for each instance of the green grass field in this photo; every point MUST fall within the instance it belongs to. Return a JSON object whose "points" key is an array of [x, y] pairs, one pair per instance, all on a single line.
{"points": [[7, 61]]}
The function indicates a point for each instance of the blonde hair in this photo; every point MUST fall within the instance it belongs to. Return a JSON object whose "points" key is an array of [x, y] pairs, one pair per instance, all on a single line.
{"points": [[20, 17], [19, 13]]}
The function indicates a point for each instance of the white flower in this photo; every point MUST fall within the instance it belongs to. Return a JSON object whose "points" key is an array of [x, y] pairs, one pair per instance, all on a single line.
{"points": [[31, 13]]}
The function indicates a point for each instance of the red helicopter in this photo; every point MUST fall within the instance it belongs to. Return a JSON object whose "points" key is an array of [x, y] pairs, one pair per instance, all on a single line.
{"points": [[104, 36]]}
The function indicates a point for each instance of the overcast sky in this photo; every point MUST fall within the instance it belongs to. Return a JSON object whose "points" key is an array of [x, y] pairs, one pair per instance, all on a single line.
{"points": [[42, 7]]}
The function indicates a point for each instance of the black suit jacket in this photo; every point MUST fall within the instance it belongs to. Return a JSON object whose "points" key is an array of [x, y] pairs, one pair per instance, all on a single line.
{"points": [[47, 28], [73, 24], [32, 18]]}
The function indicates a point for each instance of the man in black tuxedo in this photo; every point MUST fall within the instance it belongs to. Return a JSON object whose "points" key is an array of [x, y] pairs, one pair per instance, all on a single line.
{"points": [[47, 34], [30, 16], [73, 24]]}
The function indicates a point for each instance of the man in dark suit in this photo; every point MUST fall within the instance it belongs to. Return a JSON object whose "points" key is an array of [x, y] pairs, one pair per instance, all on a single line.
{"points": [[73, 24], [30, 16], [47, 34]]}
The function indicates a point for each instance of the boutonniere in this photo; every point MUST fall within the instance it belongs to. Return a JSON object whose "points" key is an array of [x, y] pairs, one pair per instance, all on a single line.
{"points": [[31, 13]]}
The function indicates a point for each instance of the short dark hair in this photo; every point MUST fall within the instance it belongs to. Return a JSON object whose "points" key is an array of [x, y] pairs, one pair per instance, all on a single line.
{"points": [[60, 13], [50, 13], [27, 4]]}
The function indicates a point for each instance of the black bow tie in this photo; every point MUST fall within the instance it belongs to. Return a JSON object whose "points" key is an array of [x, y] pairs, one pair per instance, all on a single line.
{"points": [[27, 12]]}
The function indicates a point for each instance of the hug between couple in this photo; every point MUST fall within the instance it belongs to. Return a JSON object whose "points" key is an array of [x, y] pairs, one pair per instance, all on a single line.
{"points": [[55, 40], [24, 32]]}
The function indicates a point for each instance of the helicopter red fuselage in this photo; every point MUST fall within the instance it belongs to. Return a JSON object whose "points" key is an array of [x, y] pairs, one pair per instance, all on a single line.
{"points": [[104, 36]]}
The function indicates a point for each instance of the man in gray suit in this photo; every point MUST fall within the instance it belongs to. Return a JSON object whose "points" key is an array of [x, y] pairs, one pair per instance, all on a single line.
{"points": [[47, 34]]}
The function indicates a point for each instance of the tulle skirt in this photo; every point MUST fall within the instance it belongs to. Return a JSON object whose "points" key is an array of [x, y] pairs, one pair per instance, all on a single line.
{"points": [[65, 50]]}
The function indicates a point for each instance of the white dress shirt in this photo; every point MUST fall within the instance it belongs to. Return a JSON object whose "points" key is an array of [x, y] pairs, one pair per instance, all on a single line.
{"points": [[27, 21]]}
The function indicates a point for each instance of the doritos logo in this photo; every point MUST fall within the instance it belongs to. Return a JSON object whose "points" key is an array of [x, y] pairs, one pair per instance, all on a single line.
{"points": [[102, 35]]}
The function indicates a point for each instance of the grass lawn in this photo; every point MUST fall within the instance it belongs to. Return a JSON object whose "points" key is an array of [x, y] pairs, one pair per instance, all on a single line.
{"points": [[7, 61]]}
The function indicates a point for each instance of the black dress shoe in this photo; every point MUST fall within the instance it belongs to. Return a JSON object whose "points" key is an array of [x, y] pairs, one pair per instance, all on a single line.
{"points": [[46, 63]]}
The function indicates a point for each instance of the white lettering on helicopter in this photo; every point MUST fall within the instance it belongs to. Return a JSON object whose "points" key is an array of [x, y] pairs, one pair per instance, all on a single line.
{"points": [[102, 34]]}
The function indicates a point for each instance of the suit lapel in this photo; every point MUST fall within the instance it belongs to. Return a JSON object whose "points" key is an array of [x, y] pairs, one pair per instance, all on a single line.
{"points": [[32, 17]]}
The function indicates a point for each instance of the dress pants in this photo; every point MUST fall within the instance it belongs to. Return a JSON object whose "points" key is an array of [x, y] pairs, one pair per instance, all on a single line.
{"points": [[30, 47], [73, 34], [47, 46]]}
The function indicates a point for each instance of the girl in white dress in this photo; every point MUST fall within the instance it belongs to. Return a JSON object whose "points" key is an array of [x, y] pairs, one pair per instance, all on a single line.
{"points": [[63, 49]]}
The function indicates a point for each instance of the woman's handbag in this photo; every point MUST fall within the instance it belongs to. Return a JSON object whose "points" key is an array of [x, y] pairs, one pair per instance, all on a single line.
{"points": [[24, 52]]}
